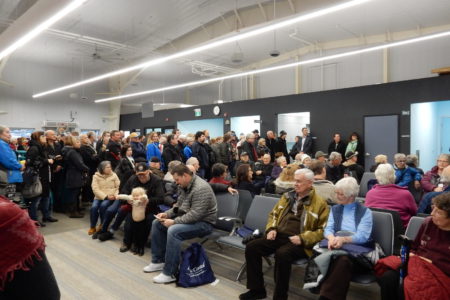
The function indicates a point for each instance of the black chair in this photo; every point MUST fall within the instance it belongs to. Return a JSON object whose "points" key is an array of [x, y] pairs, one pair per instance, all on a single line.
{"points": [[398, 227], [245, 200], [363, 184]]}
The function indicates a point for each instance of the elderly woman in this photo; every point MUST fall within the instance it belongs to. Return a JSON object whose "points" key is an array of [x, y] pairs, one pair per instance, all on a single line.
{"points": [[281, 163], [405, 175], [286, 181], [429, 264], [431, 180], [349, 223], [379, 159], [9, 166], [262, 147], [387, 195]]}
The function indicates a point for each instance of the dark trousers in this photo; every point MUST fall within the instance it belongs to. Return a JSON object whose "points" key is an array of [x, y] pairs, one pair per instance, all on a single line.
{"points": [[285, 254], [136, 233], [87, 195], [335, 285], [390, 286], [37, 283]]}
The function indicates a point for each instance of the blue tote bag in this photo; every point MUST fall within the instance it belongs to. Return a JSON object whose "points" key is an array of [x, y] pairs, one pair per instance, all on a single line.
{"points": [[195, 269]]}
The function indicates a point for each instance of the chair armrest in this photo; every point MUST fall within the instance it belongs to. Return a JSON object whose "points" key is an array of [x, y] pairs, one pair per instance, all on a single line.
{"points": [[237, 222]]}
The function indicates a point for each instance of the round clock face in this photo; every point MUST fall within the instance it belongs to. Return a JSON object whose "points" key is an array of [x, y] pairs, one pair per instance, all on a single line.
{"points": [[216, 110]]}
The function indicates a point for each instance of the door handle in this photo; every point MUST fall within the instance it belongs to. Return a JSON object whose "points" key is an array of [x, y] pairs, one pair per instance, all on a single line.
{"points": [[367, 154]]}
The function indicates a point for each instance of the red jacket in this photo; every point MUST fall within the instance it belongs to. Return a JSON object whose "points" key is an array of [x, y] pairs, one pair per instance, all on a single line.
{"points": [[430, 179]]}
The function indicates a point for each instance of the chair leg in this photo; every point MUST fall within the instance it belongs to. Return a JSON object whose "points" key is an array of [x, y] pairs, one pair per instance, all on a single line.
{"points": [[241, 271], [204, 241], [269, 262]]}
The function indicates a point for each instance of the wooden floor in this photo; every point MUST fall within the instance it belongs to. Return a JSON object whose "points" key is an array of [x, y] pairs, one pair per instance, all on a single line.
{"points": [[89, 269]]}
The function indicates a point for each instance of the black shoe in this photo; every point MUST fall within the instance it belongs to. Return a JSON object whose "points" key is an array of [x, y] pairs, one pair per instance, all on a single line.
{"points": [[95, 235], [124, 248], [104, 236], [50, 219], [253, 295], [40, 224], [141, 252]]}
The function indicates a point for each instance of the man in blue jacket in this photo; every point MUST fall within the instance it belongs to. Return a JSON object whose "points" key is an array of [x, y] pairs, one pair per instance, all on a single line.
{"points": [[10, 168]]}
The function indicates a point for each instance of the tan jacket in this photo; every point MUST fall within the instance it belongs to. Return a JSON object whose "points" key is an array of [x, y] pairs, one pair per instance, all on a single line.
{"points": [[313, 219], [104, 185]]}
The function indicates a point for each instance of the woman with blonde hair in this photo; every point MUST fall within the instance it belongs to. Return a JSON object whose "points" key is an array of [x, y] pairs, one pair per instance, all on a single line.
{"points": [[379, 159], [286, 181]]}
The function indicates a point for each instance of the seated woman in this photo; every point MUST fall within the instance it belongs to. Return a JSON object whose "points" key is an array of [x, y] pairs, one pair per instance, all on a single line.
{"points": [[431, 180], [105, 185], [25, 272], [281, 163], [349, 224], [219, 173], [428, 270], [387, 195], [286, 182], [243, 179], [404, 175]]}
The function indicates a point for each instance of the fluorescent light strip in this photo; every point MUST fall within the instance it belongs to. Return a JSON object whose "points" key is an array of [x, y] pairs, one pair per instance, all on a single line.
{"points": [[211, 45], [41, 27], [259, 71]]}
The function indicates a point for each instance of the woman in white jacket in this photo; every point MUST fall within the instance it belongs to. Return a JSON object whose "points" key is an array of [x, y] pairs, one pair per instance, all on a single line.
{"points": [[105, 185]]}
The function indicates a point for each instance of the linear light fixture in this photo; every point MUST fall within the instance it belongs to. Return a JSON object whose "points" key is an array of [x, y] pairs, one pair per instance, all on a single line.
{"points": [[211, 45], [280, 67], [41, 27]]}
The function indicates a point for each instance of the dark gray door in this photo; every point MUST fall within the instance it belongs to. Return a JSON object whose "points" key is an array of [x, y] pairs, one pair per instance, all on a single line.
{"points": [[380, 137]]}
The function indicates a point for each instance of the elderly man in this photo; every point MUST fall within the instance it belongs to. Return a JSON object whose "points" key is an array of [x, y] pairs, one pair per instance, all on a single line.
{"points": [[324, 188], [249, 147], [271, 143], [444, 185], [404, 175], [192, 216], [294, 226], [335, 170], [263, 169]]}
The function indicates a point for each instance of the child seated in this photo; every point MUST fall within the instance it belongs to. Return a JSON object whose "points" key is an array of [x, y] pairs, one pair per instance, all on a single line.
{"points": [[136, 232]]}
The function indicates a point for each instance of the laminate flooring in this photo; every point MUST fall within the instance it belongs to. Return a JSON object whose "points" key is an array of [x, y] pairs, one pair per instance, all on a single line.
{"points": [[90, 269]]}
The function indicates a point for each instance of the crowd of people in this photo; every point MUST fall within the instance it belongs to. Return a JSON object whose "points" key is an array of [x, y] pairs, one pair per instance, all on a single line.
{"points": [[162, 187]]}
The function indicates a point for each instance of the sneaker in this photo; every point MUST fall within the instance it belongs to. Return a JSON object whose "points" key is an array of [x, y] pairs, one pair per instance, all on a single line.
{"points": [[152, 267], [163, 278], [253, 295], [91, 231]]}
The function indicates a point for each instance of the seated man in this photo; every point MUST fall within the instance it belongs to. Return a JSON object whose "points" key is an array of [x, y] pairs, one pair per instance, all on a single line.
{"points": [[425, 204], [335, 170], [323, 187], [294, 226], [245, 159], [192, 216]]}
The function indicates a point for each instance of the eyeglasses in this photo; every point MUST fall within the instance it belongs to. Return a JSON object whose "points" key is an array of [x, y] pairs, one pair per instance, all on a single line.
{"points": [[442, 161], [401, 161]]}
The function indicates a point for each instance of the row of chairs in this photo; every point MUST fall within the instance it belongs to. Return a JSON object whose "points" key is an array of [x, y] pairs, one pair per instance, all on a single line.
{"points": [[236, 210]]}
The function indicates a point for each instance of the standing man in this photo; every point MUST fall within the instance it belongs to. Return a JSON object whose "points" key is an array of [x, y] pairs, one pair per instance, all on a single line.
{"points": [[249, 147], [113, 148], [305, 144], [171, 151], [199, 152], [192, 216], [337, 145], [271, 143], [294, 226], [137, 147]]}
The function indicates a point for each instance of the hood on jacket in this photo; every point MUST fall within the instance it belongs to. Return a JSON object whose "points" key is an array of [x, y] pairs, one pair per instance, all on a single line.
{"points": [[284, 184]]}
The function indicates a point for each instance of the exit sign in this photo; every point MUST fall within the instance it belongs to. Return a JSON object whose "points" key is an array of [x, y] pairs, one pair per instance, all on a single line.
{"points": [[198, 112]]}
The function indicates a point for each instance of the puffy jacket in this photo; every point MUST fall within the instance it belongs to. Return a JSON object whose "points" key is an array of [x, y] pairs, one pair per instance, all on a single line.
{"points": [[8, 161], [403, 177], [104, 185], [313, 219]]}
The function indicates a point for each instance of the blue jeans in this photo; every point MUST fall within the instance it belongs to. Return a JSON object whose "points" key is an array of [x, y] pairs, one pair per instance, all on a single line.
{"points": [[166, 242], [98, 209], [201, 173], [42, 202], [109, 213]]}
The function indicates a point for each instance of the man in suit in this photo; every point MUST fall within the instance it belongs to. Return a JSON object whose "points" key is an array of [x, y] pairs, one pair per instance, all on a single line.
{"points": [[305, 143]]}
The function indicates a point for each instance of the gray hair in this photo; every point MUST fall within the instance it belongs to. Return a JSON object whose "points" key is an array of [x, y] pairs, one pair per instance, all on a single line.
{"points": [[279, 159], [443, 155], [412, 159], [445, 175], [2, 128], [349, 187], [304, 156], [191, 161], [47, 132], [249, 136], [101, 166], [385, 174], [309, 175], [335, 155], [399, 156], [173, 164]]}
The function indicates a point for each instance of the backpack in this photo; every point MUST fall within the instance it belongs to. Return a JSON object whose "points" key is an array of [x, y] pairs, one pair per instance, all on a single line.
{"points": [[195, 268]]}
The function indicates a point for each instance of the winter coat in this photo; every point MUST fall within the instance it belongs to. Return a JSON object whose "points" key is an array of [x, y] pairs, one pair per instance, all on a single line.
{"points": [[37, 158], [90, 158], [271, 144], [187, 151], [250, 149], [326, 190], [282, 186], [124, 170], [170, 153], [339, 148], [104, 185], [266, 170], [74, 167], [430, 180], [154, 188], [281, 147], [113, 153], [224, 153], [9, 163], [138, 150], [313, 219], [403, 177], [195, 203], [199, 152]]}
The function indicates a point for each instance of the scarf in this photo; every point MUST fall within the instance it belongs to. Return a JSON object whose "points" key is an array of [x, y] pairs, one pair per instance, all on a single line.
{"points": [[351, 146], [20, 241]]}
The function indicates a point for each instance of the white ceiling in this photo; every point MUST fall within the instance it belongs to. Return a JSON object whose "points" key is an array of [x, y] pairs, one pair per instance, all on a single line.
{"points": [[104, 35]]}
